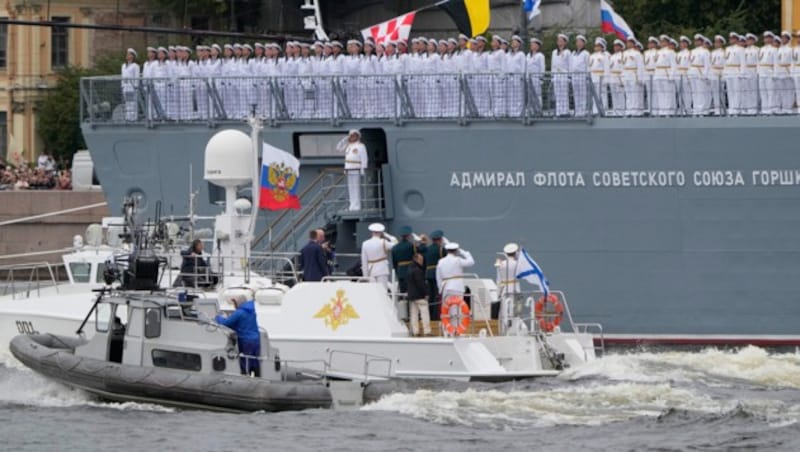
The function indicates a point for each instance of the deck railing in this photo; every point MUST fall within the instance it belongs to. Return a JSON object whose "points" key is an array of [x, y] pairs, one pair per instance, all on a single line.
{"points": [[452, 97]]}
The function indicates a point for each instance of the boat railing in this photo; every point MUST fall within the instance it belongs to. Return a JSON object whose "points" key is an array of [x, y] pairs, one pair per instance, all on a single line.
{"points": [[461, 98], [29, 278], [367, 360]]}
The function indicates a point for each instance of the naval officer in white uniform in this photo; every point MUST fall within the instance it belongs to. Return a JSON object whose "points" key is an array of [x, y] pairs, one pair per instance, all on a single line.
{"points": [[375, 254], [130, 84], [450, 270], [508, 283], [355, 162]]}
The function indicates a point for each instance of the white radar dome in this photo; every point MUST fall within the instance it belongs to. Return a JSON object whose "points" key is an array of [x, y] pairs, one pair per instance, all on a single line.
{"points": [[229, 159]]}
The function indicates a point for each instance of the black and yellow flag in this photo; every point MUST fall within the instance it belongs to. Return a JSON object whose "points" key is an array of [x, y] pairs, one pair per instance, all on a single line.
{"points": [[471, 16]]}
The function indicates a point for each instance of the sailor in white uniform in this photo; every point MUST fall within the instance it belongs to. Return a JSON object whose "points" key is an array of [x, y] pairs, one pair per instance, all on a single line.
{"points": [[355, 163], [616, 67], [515, 67], [683, 60], [632, 76], [560, 67], [130, 84], [698, 76], [717, 68], [579, 66], [784, 85], [749, 79], [796, 66], [508, 284], [450, 270], [734, 59], [535, 67], [375, 254], [663, 79], [598, 67]]}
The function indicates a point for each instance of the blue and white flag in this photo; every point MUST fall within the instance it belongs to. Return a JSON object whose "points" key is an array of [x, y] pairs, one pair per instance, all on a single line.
{"points": [[530, 271], [532, 8]]}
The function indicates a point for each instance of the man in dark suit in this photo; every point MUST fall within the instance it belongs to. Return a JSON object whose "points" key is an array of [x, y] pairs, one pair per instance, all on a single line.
{"points": [[313, 260]]}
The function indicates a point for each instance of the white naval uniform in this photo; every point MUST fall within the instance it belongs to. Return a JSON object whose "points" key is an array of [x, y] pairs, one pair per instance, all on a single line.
{"points": [[509, 287], [375, 254], [632, 75], [450, 273], [734, 59], [598, 67], [615, 83], [161, 74], [173, 91], [515, 68], [496, 66], [560, 67], [664, 83], [535, 67], [784, 85], [683, 60], [355, 162], [183, 91], [650, 60], [766, 79], [749, 82], [715, 79], [579, 67], [698, 78], [130, 85], [796, 71]]}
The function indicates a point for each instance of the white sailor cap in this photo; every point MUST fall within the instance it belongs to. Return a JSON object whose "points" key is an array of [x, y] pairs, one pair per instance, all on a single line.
{"points": [[511, 248], [453, 41], [599, 41], [768, 34], [480, 38], [563, 36], [318, 43], [581, 37], [376, 227], [132, 52], [187, 50], [699, 36], [463, 36], [735, 35], [258, 45], [369, 42], [327, 44], [638, 44], [618, 42], [497, 38], [305, 45], [685, 39], [228, 46], [414, 40], [706, 40], [536, 40], [664, 38], [632, 39], [171, 48], [237, 46], [337, 44], [247, 47], [652, 39], [786, 33], [354, 42], [422, 40], [673, 41], [503, 41], [354, 131], [390, 43], [516, 38], [151, 49], [451, 246], [162, 49], [216, 46], [720, 38]]}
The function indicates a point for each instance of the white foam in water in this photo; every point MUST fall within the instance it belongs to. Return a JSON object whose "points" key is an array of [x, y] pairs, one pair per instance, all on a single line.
{"points": [[751, 365]]}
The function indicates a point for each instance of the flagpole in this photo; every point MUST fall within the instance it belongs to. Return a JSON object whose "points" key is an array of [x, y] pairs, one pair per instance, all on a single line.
{"points": [[523, 26], [255, 129]]}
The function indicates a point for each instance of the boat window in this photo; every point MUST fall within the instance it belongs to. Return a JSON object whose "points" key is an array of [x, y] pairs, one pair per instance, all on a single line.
{"points": [[152, 323], [135, 323], [81, 271], [98, 274], [176, 360], [101, 316]]}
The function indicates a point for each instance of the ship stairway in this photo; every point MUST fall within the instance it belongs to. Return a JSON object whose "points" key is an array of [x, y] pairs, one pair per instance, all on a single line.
{"points": [[324, 204]]}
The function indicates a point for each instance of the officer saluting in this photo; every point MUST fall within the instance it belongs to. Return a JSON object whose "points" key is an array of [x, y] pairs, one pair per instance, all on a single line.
{"points": [[450, 270], [375, 253], [355, 162]]}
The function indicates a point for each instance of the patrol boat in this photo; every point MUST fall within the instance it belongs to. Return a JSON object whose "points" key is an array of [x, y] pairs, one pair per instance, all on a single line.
{"points": [[169, 352]]}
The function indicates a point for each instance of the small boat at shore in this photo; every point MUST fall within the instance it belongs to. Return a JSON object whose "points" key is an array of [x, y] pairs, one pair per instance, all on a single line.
{"points": [[169, 352]]}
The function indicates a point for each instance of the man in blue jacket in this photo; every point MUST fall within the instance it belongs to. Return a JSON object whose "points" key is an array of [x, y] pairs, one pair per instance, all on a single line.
{"points": [[243, 322], [313, 260]]}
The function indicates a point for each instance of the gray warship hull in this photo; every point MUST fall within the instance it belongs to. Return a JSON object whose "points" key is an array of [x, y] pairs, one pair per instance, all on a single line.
{"points": [[652, 226]]}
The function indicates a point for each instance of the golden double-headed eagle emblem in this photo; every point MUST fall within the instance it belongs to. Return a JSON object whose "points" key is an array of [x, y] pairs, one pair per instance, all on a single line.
{"points": [[337, 312], [283, 178]]}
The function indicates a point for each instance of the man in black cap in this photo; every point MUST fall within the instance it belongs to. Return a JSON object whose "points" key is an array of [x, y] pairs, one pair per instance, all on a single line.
{"points": [[402, 255], [433, 253]]}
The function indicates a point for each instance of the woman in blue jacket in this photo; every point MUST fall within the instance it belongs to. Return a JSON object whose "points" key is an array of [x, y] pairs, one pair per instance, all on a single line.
{"points": [[243, 322]]}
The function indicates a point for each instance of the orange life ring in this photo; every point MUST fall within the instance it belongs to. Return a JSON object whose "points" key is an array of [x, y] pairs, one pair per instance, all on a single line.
{"points": [[548, 321], [444, 314]]}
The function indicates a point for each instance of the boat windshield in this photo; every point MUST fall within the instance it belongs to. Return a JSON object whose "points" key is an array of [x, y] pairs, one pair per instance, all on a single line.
{"points": [[81, 271]]}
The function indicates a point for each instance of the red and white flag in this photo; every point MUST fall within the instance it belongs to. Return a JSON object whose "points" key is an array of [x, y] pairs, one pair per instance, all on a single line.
{"points": [[396, 29]]}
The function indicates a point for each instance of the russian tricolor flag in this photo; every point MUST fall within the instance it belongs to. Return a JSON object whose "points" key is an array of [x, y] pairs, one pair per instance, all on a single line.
{"points": [[611, 22], [280, 176]]}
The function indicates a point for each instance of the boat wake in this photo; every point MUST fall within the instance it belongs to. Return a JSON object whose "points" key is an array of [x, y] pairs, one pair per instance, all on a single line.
{"points": [[22, 387], [670, 387]]}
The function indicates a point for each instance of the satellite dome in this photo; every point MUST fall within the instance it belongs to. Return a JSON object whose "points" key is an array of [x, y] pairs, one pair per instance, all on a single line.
{"points": [[229, 159]]}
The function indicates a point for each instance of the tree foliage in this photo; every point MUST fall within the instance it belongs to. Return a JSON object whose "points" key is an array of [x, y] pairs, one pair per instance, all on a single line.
{"points": [[59, 113], [676, 17], [181, 8]]}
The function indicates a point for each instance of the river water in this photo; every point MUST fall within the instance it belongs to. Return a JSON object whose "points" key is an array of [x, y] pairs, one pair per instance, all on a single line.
{"points": [[708, 400]]}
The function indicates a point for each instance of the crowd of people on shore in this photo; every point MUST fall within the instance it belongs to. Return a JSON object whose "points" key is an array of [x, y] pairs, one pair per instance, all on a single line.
{"points": [[667, 76], [43, 176]]}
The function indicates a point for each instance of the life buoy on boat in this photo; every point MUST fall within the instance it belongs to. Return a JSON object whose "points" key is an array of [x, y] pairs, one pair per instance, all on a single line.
{"points": [[444, 314], [550, 319]]}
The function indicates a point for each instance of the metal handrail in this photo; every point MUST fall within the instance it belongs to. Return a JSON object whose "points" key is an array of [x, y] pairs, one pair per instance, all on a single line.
{"points": [[368, 360], [33, 277]]}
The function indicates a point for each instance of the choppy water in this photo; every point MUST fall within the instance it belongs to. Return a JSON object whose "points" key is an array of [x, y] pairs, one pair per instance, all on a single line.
{"points": [[709, 400]]}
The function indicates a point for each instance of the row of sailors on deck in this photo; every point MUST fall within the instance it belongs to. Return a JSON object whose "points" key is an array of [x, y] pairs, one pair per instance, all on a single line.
{"points": [[443, 264], [699, 76]]}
